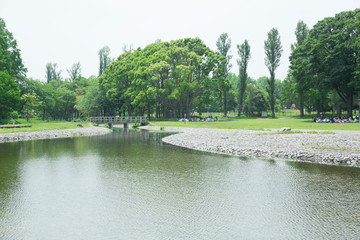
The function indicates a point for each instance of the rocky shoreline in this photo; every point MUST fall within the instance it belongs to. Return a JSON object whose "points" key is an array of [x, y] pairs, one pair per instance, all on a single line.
{"points": [[333, 148], [65, 133]]}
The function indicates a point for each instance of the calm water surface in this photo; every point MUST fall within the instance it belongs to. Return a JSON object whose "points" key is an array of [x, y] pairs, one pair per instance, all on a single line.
{"points": [[130, 185]]}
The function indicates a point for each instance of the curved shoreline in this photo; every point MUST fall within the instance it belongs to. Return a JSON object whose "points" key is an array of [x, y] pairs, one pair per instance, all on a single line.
{"points": [[340, 148], [51, 134]]}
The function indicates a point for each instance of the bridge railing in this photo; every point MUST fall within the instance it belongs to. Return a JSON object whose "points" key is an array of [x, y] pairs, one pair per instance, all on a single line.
{"points": [[124, 119]]}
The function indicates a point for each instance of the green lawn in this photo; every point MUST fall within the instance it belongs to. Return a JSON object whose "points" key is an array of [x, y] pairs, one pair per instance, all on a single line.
{"points": [[244, 123], [38, 125], [262, 124]]}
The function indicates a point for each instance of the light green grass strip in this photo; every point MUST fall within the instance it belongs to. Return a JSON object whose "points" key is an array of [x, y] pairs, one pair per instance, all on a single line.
{"points": [[261, 124], [38, 126]]}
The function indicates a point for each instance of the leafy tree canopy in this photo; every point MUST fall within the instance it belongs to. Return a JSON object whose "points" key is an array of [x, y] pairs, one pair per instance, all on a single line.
{"points": [[10, 59]]}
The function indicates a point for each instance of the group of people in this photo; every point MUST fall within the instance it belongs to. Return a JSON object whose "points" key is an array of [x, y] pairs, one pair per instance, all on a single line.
{"points": [[343, 119], [223, 115], [199, 119]]}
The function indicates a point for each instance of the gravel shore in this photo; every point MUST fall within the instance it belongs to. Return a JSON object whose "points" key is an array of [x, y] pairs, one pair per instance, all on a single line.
{"points": [[334, 148], [65, 133]]}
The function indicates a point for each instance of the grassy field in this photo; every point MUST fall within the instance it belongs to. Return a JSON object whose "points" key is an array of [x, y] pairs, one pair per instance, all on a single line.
{"points": [[38, 125], [288, 113], [262, 124], [232, 123]]}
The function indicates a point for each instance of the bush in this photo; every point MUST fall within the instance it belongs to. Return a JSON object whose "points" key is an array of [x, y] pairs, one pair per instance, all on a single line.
{"points": [[14, 115]]}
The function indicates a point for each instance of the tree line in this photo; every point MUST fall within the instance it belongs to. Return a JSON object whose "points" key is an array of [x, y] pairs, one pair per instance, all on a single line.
{"points": [[325, 64], [178, 78]]}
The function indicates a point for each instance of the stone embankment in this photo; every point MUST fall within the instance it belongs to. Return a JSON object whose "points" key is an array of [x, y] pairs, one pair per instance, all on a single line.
{"points": [[65, 133], [335, 147]]}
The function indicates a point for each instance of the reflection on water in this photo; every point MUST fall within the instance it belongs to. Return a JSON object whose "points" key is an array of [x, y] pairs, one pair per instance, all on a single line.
{"points": [[129, 185]]}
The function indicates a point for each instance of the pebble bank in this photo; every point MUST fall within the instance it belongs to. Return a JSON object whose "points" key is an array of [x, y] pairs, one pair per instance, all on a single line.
{"points": [[334, 148], [65, 133]]}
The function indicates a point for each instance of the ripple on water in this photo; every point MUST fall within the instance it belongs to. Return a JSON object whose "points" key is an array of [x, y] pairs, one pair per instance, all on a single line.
{"points": [[132, 185]]}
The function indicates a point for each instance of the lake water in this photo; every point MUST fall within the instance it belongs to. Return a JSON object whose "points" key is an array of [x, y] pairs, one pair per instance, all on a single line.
{"points": [[130, 185]]}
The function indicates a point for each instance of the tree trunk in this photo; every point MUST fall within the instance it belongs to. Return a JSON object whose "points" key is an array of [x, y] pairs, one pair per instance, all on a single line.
{"points": [[349, 105], [187, 106], [225, 103], [241, 93], [349, 109], [164, 109], [148, 112], [301, 105], [129, 110], [271, 93], [240, 105]]}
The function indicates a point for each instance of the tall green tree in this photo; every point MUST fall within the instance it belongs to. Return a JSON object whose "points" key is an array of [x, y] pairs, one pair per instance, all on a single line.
{"points": [[255, 100], [9, 94], [328, 60], [168, 78], [288, 91], [11, 70], [104, 59], [333, 54], [223, 45], [75, 71], [273, 51], [301, 34], [52, 73], [10, 58], [244, 54], [90, 101]]}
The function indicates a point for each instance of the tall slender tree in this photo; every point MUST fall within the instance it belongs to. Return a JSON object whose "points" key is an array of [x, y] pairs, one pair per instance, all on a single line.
{"points": [[244, 54], [75, 71], [52, 73], [104, 58], [273, 51], [223, 45], [301, 33]]}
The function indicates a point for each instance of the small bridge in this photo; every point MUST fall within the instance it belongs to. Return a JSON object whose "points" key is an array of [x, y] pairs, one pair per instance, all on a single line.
{"points": [[119, 120]]}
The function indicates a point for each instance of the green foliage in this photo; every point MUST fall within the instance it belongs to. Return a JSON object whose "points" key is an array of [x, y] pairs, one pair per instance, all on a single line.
{"points": [[223, 45], [328, 60], [244, 54], [299, 75], [52, 73], [90, 101], [11, 68], [14, 115], [104, 59], [288, 92], [56, 100], [30, 103], [273, 51], [75, 71], [255, 101], [168, 78], [9, 94], [10, 59]]}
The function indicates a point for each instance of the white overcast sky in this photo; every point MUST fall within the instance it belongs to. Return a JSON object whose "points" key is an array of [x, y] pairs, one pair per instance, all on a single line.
{"points": [[70, 31]]}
